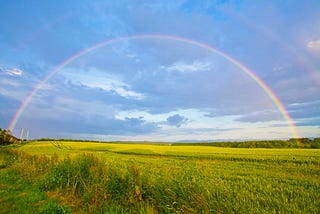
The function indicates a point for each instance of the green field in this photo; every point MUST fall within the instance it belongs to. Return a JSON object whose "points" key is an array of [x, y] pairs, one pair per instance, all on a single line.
{"points": [[88, 177]]}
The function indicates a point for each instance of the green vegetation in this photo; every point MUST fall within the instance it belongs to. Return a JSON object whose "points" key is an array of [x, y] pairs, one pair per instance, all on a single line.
{"points": [[291, 143], [89, 177], [6, 137]]}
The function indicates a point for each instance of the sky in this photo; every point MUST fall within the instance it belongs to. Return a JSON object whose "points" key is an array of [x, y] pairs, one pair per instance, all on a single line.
{"points": [[160, 70]]}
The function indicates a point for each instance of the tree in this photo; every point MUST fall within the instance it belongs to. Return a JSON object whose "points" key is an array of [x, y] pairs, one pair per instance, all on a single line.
{"points": [[6, 137]]}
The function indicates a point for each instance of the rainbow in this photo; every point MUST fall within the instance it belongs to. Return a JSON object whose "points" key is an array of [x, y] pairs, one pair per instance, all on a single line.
{"points": [[214, 50]]}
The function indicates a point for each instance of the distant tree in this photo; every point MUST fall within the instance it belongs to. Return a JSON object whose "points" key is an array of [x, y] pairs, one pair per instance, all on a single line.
{"points": [[316, 140], [315, 144]]}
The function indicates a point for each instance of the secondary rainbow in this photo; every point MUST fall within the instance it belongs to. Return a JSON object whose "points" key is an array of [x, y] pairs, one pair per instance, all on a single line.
{"points": [[242, 67]]}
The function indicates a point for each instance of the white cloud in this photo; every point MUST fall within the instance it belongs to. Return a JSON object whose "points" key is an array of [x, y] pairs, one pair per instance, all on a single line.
{"points": [[280, 69], [188, 67], [99, 79], [112, 85], [314, 46], [14, 72], [11, 71], [128, 94]]}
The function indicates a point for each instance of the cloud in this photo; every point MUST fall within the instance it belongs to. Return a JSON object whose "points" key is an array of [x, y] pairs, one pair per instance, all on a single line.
{"points": [[95, 78], [176, 120], [297, 111], [11, 71], [13, 87], [309, 122], [188, 67], [314, 45], [82, 122], [200, 131], [210, 114], [260, 116], [15, 72], [304, 109]]}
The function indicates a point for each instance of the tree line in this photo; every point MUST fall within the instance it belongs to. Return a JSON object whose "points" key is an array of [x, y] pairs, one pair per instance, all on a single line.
{"points": [[291, 143]]}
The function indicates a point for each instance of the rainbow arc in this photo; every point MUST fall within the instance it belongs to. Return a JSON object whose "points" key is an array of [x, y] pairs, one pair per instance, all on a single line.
{"points": [[212, 49]]}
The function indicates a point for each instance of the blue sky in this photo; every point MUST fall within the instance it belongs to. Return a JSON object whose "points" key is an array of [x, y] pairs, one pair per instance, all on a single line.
{"points": [[158, 88]]}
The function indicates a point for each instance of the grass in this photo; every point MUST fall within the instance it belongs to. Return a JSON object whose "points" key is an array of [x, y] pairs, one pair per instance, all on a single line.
{"points": [[88, 177]]}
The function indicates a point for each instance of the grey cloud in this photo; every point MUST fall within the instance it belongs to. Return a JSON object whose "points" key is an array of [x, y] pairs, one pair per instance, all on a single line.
{"points": [[260, 116], [176, 120], [212, 130], [304, 110], [309, 122], [210, 114], [79, 123]]}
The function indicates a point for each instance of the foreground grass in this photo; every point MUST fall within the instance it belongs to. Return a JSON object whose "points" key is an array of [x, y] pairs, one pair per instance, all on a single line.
{"points": [[53, 177]]}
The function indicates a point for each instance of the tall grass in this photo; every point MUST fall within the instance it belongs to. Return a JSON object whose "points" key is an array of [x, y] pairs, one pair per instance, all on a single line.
{"points": [[157, 179]]}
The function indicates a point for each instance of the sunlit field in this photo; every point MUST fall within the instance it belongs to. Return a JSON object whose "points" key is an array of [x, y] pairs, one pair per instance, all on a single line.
{"points": [[87, 177]]}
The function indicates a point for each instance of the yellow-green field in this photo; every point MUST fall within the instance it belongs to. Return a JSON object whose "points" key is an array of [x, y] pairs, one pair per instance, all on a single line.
{"points": [[82, 177], [63, 148]]}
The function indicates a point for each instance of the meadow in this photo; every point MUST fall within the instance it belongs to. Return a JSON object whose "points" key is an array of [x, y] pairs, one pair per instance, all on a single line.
{"points": [[91, 177]]}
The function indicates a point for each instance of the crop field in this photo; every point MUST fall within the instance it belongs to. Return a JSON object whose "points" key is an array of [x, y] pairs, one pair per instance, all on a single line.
{"points": [[88, 177]]}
